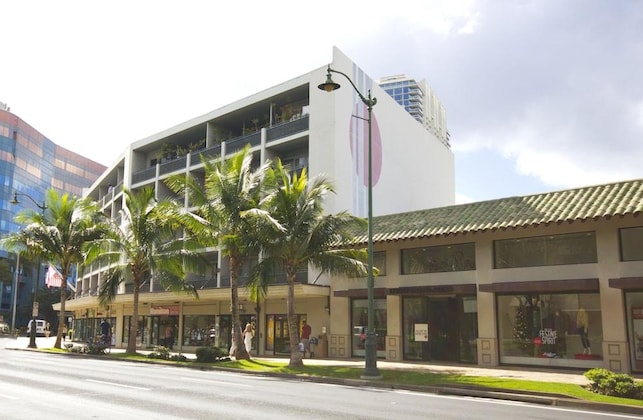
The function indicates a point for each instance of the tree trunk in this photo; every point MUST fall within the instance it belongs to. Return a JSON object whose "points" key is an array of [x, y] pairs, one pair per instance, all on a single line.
{"points": [[296, 356], [133, 325], [61, 315], [240, 352]]}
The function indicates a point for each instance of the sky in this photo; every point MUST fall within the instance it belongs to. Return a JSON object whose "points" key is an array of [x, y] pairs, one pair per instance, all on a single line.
{"points": [[540, 95]]}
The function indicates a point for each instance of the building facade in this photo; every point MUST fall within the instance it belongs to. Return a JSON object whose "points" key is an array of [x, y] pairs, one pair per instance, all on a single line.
{"points": [[304, 127], [420, 101], [30, 164], [549, 280]]}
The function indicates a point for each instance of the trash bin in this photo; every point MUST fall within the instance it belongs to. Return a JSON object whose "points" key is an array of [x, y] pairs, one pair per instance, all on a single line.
{"points": [[321, 348]]}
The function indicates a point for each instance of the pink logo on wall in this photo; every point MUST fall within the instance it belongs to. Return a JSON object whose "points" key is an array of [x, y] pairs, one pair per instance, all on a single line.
{"points": [[359, 144]]}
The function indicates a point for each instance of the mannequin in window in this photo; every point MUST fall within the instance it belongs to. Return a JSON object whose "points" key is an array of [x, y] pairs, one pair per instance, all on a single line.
{"points": [[582, 326], [561, 326]]}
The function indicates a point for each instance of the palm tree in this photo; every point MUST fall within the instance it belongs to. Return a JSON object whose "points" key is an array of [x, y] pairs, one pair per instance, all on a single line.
{"points": [[59, 234], [145, 248], [299, 234], [231, 192]]}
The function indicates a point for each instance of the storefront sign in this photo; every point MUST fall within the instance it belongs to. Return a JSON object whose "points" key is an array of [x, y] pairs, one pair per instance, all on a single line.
{"points": [[421, 332], [164, 310], [548, 336]]}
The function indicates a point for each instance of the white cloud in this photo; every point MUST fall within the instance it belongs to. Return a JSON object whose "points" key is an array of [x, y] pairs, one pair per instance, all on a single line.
{"points": [[552, 87]]}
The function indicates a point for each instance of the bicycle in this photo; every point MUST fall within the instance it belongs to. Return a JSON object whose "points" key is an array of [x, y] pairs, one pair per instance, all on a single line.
{"points": [[99, 344]]}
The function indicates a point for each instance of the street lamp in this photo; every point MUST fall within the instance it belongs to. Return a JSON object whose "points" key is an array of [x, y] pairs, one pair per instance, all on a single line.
{"points": [[34, 310], [15, 293], [370, 344]]}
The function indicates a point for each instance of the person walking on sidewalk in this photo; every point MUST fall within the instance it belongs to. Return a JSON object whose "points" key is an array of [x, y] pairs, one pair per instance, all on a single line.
{"points": [[305, 337], [247, 337]]}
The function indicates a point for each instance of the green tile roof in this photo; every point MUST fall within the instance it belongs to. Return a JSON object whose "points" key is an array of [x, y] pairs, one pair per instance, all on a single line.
{"points": [[617, 199]]}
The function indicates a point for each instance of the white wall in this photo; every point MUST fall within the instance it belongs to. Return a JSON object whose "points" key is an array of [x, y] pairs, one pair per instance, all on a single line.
{"points": [[417, 170]]}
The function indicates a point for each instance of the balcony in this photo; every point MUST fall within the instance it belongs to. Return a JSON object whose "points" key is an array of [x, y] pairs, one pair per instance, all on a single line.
{"points": [[288, 128], [276, 132]]}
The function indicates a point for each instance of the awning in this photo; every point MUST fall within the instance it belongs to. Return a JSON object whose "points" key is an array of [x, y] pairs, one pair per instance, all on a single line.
{"points": [[627, 283], [543, 286], [361, 293], [457, 289]]}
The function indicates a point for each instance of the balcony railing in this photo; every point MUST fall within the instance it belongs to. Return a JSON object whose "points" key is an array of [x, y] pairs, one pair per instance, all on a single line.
{"points": [[144, 175], [287, 129], [233, 145], [208, 154], [236, 144], [173, 165]]}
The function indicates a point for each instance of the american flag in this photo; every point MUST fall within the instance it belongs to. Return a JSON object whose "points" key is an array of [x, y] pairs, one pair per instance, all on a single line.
{"points": [[54, 278]]}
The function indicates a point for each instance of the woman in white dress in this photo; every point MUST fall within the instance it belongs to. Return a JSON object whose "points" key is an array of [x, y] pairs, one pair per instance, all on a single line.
{"points": [[247, 337]]}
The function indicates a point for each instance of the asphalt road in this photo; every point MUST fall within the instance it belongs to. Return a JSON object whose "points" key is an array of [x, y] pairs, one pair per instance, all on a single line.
{"points": [[37, 385]]}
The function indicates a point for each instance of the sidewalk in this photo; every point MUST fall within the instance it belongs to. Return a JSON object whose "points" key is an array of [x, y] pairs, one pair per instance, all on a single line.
{"points": [[531, 373]]}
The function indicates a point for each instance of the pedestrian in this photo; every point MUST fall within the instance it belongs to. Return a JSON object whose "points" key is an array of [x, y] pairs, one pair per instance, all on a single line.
{"points": [[105, 330], [47, 330], [247, 337], [305, 337], [169, 336], [212, 334], [64, 332]]}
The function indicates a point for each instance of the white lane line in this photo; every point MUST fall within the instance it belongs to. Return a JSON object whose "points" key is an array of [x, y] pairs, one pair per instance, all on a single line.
{"points": [[209, 381], [120, 385]]}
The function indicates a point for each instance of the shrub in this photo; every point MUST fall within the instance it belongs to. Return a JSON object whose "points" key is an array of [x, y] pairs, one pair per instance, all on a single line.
{"points": [[160, 352], [211, 354], [94, 347], [178, 358], [606, 382]]}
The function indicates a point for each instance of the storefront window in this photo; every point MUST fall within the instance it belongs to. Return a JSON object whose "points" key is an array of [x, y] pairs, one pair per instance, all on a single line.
{"points": [[551, 329], [197, 330], [140, 334], [359, 325], [634, 303]]}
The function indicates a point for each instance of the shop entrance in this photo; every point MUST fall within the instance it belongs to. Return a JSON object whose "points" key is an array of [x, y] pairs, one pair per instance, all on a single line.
{"points": [[440, 328], [443, 329], [277, 334]]}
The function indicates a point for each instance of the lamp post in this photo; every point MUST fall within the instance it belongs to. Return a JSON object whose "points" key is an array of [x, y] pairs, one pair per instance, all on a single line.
{"points": [[370, 344], [15, 293], [34, 310]]}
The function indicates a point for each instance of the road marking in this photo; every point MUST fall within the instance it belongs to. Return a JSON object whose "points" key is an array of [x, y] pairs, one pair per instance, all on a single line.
{"points": [[8, 397], [116, 384], [209, 381]]}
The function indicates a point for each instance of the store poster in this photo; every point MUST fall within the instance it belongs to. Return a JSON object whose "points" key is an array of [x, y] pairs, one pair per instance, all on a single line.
{"points": [[637, 328], [421, 332]]}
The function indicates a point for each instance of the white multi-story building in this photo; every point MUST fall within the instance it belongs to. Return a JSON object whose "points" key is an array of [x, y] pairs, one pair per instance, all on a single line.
{"points": [[304, 127], [420, 101]]}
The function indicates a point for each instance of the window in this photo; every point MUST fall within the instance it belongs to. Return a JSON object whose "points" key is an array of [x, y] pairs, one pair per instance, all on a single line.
{"points": [[359, 326], [379, 261], [631, 242], [573, 248], [562, 329], [196, 330], [439, 259]]}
